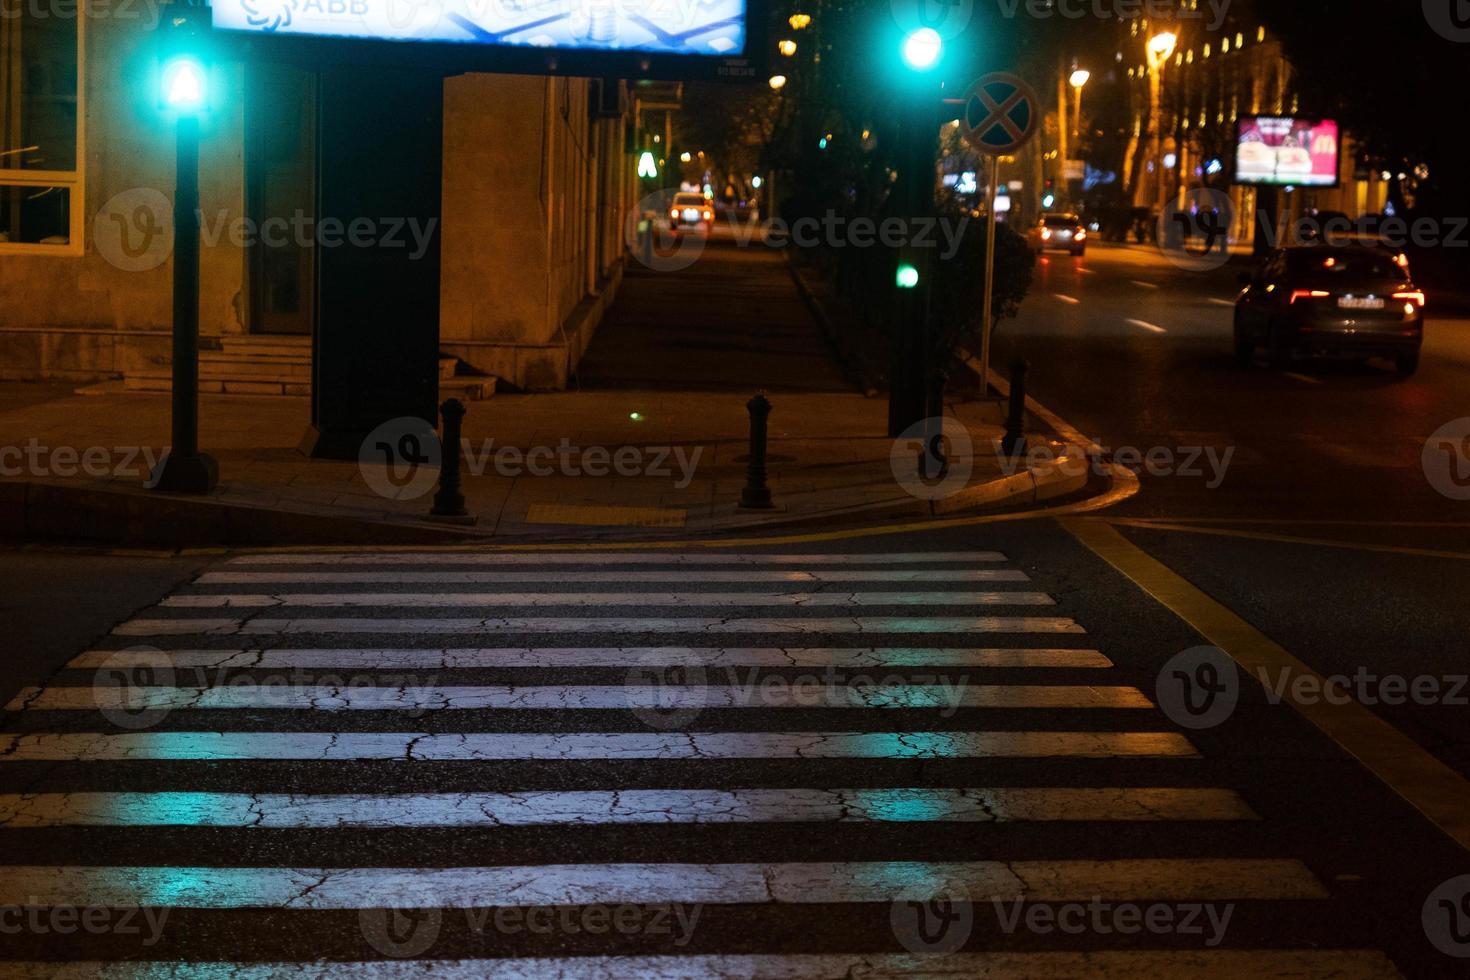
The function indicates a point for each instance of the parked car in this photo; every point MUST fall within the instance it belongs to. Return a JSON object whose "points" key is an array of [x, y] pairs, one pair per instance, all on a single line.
{"points": [[1059, 231], [1317, 300]]}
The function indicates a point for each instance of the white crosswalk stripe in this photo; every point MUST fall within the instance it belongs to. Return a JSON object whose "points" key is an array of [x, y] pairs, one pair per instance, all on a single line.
{"points": [[505, 698], [341, 775], [546, 657], [219, 626]]}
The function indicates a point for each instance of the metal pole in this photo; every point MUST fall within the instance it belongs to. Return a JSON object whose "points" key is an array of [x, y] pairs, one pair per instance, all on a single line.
{"points": [[185, 469], [991, 187], [1062, 148], [186, 290]]}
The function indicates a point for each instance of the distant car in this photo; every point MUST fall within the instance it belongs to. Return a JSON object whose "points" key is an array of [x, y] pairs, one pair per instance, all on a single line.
{"points": [[1059, 231], [690, 212], [1350, 301]]}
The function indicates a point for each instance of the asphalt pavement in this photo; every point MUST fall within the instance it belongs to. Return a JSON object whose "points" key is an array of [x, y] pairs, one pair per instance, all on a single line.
{"points": [[938, 753], [1071, 745]]}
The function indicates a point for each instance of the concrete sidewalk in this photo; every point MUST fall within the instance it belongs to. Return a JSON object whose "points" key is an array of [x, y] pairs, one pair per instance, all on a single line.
{"points": [[686, 449], [656, 441]]}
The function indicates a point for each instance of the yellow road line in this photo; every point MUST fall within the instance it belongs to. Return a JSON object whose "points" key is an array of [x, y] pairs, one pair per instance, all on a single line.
{"points": [[1289, 539], [1430, 786]]}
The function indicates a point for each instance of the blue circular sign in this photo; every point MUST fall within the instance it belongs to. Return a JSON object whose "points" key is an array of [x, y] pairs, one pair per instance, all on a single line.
{"points": [[1000, 114]]}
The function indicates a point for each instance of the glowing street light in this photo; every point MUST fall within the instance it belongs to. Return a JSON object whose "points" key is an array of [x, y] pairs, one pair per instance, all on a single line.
{"points": [[921, 49], [787, 47], [1160, 46], [799, 21], [907, 277], [1079, 79], [777, 82]]}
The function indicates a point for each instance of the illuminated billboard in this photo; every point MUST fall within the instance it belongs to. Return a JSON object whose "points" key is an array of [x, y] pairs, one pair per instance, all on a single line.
{"points": [[713, 28], [1287, 152]]}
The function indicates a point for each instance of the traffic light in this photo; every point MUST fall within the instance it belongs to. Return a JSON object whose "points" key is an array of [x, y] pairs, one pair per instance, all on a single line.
{"points": [[647, 165], [1049, 196], [907, 277], [922, 48], [183, 61]]}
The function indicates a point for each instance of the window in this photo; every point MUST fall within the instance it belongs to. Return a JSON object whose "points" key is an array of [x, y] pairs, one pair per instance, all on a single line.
{"points": [[41, 126]]}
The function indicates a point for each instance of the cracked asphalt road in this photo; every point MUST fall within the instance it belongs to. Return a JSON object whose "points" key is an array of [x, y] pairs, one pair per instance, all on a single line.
{"points": [[599, 760]]}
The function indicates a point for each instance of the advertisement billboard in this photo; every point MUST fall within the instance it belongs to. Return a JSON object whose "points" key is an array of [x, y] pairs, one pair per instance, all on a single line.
{"points": [[566, 36], [1283, 151]]}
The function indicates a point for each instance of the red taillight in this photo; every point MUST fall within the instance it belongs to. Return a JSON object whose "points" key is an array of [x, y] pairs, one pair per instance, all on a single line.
{"points": [[1297, 294], [1412, 296]]}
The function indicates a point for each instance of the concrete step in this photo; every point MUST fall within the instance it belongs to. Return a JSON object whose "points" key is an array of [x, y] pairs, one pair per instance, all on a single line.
{"points": [[255, 370], [154, 381], [267, 346]]}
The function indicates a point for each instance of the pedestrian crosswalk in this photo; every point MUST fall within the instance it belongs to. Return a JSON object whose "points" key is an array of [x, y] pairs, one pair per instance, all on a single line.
{"points": [[389, 768]]}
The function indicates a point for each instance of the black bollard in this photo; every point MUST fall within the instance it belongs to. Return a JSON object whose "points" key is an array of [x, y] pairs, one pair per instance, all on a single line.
{"points": [[448, 500], [1014, 443], [756, 495], [933, 461]]}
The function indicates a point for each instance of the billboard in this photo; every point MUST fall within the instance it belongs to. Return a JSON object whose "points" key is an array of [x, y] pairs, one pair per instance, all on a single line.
{"points": [[1284, 151], [716, 29]]}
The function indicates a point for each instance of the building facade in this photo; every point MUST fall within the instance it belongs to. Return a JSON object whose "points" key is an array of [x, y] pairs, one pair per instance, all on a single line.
{"points": [[537, 181], [1207, 81]]}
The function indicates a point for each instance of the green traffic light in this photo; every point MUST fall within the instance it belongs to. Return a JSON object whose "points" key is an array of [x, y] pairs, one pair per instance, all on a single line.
{"points": [[922, 48], [907, 277], [185, 87]]}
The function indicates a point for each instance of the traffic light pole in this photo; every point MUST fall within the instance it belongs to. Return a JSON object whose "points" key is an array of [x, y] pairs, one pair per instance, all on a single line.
{"points": [[910, 383], [185, 469]]}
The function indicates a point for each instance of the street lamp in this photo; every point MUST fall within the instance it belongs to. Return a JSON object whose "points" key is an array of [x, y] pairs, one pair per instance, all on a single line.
{"points": [[1159, 48], [183, 93], [787, 47], [799, 21], [777, 82], [1079, 79]]}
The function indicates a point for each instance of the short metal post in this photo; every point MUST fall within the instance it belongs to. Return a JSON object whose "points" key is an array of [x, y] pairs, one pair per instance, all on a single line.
{"points": [[756, 495], [1014, 443], [933, 461], [448, 500]]}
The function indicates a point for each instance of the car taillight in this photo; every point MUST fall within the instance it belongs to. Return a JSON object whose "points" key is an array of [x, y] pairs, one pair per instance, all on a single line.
{"points": [[1297, 294], [1412, 296]]}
